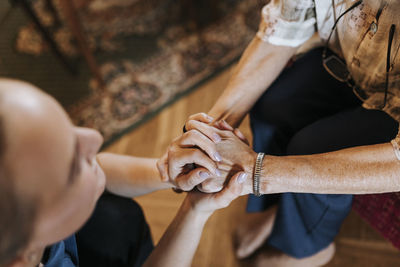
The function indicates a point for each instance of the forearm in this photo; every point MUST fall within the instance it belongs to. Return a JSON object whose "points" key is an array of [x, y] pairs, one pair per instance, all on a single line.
{"points": [[179, 243], [130, 176], [259, 66], [358, 170]]}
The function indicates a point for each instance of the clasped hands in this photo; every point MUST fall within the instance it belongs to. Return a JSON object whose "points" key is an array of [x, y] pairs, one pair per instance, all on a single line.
{"points": [[207, 157]]}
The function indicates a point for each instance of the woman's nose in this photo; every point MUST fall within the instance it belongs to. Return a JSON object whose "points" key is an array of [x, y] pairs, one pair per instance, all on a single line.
{"points": [[91, 141]]}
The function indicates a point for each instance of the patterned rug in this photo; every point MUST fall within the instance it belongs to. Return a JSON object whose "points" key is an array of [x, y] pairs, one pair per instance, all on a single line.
{"points": [[149, 55]]}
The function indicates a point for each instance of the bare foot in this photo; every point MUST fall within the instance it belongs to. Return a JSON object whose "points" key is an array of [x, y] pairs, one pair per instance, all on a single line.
{"points": [[273, 257], [253, 231]]}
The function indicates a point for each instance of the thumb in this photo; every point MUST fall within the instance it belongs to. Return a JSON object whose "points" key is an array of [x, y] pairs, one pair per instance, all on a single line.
{"points": [[232, 190], [162, 166]]}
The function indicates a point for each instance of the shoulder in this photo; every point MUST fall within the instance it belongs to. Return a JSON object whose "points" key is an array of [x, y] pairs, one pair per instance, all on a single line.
{"points": [[287, 22]]}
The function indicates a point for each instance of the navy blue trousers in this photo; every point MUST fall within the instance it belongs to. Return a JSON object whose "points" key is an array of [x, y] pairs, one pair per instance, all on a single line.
{"points": [[307, 111]]}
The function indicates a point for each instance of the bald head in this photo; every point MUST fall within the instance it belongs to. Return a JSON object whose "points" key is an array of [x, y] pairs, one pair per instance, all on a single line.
{"points": [[51, 168], [17, 211], [31, 121], [29, 124]]}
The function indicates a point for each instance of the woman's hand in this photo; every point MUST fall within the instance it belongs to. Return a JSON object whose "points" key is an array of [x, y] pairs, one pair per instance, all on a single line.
{"points": [[185, 164], [213, 184], [236, 156], [208, 203], [190, 159], [195, 120], [179, 242]]}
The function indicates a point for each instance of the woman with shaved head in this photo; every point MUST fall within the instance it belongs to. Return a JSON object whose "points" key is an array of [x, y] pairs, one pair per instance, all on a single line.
{"points": [[52, 181]]}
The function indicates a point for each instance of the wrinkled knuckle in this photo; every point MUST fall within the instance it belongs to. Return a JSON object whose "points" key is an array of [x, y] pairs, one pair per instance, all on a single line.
{"points": [[196, 133], [181, 185], [190, 124], [192, 134], [171, 152], [186, 135], [204, 115]]}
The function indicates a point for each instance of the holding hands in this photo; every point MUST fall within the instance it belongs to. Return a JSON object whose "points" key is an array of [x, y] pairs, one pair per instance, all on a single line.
{"points": [[209, 157]]}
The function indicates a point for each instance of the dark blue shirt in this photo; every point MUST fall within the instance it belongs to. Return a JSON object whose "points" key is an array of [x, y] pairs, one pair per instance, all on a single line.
{"points": [[63, 254]]}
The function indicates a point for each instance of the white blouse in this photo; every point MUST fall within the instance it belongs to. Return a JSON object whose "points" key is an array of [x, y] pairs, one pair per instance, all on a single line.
{"points": [[287, 22]]}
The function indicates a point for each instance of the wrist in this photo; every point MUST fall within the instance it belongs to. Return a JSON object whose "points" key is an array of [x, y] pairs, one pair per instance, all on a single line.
{"points": [[249, 169], [268, 183], [269, 180], [228, 113], [190, 210]]}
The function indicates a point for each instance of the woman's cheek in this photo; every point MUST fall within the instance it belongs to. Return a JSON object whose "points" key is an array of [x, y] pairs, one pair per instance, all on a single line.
{"points": [[96, 181]]}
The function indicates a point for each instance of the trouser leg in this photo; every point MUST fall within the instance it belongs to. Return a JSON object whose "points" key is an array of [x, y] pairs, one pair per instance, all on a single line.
{"points": [[307, 223]]}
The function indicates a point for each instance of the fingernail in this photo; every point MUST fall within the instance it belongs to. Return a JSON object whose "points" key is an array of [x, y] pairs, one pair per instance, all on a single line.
{"points": [[242, 177], [204, 175], [216, 137], [218, 173], [217, 156], [209, 118]]}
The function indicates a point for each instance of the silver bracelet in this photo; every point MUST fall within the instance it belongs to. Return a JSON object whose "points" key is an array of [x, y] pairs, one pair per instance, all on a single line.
{"points": [[257, 173]]}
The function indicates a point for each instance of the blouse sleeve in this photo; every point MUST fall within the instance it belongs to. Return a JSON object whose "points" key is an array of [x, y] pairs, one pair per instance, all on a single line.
{"points": [[287, 22]]}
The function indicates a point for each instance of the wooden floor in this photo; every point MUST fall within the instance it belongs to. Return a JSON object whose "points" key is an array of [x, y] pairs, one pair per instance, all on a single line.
{"points": [[357, 244]]}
